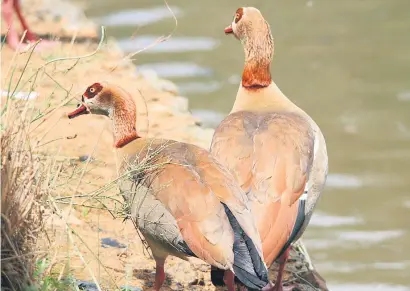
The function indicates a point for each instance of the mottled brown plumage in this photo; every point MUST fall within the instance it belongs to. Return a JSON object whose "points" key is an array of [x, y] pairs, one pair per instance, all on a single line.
{"points": [[190, 205], [272, 147], [271, 156]]}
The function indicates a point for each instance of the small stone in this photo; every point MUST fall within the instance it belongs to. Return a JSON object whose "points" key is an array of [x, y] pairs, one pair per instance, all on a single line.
{"points": [[86, 285], [84, 158], [124, 253], [200, 282], [128, 288], [111, 242]]}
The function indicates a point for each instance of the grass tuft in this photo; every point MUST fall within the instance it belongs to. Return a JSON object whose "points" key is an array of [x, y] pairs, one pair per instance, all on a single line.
{"points": [[37, 183], [23, 179]]}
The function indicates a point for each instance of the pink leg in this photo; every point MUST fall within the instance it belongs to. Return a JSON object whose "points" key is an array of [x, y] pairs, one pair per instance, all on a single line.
{"points": [[282, 262], [7, 12], [159, 274], [229, 280], [30, 36]]}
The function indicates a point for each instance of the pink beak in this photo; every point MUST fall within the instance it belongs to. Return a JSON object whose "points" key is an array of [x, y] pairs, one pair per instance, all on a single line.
{"points": [[228, 29], [79, 111]]}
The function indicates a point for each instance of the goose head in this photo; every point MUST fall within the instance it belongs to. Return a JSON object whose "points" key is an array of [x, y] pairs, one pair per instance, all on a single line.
{"points": [[106, 99], [99, 98], [251, 28], [248, 23]]}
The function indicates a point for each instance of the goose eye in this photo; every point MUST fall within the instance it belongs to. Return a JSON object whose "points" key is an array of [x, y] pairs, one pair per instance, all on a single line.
{"points": [[92, 90]]}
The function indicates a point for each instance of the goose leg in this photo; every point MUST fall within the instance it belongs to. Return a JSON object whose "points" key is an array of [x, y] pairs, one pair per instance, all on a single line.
{"points": [[229, 280], [30, 36], [7, 13], [282, 262], [159, 273]]}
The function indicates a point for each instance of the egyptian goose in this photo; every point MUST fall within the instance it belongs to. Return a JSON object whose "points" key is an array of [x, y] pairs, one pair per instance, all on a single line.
{"points": [[273, 148], [199, 208], [13, 40]]}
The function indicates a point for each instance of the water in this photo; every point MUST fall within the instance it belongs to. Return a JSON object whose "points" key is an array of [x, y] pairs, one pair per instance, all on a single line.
{"points": [[347, 63]]}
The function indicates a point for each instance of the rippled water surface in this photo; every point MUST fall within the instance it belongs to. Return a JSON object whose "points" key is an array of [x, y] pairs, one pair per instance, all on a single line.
{"points": [[347, 63]]}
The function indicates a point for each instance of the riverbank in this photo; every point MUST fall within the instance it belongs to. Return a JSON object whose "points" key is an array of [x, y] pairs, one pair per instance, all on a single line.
{"points": [[84, 242]]}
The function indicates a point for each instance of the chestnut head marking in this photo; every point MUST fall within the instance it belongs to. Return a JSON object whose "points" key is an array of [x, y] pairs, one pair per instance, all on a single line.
{"points": [[238, 14], [93, 90]]}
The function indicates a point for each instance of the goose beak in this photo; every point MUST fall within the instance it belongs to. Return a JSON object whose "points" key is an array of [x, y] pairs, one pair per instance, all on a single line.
{"points": [[81, 109], [228, 30]]}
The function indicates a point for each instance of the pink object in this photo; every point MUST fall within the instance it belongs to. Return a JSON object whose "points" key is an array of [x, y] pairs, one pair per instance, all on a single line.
{"points": [[13, 39]]}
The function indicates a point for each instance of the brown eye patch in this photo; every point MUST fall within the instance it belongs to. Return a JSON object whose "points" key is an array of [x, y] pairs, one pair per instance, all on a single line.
{"points": [[238, 14], [93, 90]]}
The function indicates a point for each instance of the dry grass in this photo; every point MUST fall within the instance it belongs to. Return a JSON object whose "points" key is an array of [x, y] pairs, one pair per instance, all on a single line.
{"points": [[28, 179], [33, 184], [23, 189]]}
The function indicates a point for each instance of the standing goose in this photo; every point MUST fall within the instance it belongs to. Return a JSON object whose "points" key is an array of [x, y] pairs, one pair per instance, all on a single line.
{"points": [[193, 207], [273, 148]]}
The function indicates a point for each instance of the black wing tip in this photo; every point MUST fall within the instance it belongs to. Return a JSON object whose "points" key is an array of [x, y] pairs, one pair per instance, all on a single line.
{"points": [[248, 266], [183, 247], [217, 276], [251, 281]]}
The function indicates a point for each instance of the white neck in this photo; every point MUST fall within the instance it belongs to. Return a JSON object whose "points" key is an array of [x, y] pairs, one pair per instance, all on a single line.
{"points": [[270, 98]]}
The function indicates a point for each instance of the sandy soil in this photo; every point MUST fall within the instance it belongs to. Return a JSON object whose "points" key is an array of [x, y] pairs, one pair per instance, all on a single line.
{"points": [[82, 254]]}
